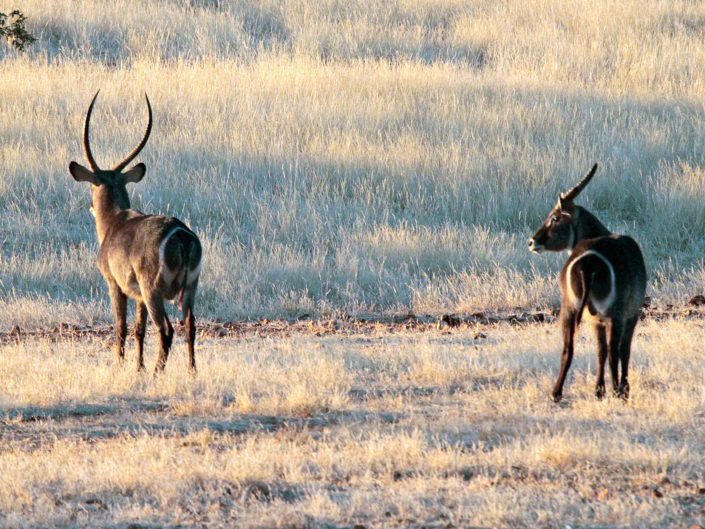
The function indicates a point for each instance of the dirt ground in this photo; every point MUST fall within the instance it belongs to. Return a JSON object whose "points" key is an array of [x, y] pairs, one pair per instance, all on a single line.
{"points": [[346, 326]]}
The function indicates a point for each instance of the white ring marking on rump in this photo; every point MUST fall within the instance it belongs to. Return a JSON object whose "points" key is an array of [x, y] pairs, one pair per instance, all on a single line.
{"points": [[600, 304], [168, 274]]}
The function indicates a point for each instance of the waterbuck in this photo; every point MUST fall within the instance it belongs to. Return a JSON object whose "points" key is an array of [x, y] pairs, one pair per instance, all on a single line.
{"points": [[604, 280], [149, 258]]}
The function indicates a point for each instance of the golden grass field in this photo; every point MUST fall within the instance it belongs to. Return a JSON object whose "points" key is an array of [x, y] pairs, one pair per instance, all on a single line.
{"points": [[381, 427], [345, 161]]}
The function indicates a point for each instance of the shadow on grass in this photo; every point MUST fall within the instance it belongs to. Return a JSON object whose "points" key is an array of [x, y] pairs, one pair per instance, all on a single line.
{"points": [[32, 427]]}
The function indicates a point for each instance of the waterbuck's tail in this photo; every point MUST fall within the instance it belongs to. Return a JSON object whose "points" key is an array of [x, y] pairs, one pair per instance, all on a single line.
{"points": [[586, 278]]}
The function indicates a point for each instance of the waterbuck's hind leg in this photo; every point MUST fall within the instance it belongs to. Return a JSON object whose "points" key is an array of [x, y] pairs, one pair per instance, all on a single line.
{"points": [[187, 298], [140, 328], [119, 302], [568, 327], [616, 332], [155, 306], [601, 335], [624, 354]]}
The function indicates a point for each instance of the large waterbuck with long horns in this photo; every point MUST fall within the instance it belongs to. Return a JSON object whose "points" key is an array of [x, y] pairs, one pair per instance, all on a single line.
{"points": [[150, 258], [603, 281]]}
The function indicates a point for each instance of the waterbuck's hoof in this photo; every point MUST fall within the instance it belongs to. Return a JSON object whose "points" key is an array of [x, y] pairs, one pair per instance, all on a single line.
{"points": [[600, 392], [557, 397], [623, 393]]}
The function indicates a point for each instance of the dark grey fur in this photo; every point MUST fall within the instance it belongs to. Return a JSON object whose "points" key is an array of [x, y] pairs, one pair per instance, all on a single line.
{"points": [[588, 286]]}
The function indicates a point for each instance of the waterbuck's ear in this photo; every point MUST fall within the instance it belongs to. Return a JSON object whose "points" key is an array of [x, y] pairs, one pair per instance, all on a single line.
{"points": [[82, 174], [562, 205], [135, 174]]}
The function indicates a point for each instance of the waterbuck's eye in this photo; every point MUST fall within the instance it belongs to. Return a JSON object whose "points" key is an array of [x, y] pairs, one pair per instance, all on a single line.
{"points": [[555, 218]]}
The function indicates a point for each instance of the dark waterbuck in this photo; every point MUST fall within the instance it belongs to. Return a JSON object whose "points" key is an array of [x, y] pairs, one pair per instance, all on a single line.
{"points": [[150, 258], [603, 281]]}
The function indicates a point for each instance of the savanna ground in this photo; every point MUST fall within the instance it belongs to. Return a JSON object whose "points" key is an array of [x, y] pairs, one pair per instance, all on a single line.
{"points": [[347, 162]]}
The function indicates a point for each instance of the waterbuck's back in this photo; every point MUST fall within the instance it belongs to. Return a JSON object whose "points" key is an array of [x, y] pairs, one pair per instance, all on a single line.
{"points": [[151, 250], [617, 274]]}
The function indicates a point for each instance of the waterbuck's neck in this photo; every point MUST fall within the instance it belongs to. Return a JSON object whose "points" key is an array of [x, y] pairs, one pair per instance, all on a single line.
{"points": [[587, 226], [109, 207]]}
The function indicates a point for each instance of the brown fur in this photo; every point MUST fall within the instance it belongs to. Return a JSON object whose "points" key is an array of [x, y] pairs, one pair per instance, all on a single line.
{"points": [[149, 258]]}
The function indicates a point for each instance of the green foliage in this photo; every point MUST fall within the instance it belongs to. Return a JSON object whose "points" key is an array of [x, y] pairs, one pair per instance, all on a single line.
{"points": [[13, 29]]}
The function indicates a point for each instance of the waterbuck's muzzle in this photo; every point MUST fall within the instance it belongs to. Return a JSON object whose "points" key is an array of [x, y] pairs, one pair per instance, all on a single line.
{"points": [[537, 242], [535, 246]]}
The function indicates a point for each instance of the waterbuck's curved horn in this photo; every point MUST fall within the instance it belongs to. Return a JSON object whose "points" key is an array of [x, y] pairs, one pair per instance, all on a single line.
{"points": [[136, 151], [575, 190], [86, 141]]}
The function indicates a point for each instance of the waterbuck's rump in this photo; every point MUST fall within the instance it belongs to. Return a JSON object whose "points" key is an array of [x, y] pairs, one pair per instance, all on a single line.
{"points": [[612, 268]]}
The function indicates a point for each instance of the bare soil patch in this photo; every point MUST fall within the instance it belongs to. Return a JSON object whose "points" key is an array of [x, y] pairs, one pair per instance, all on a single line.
{"points": [[346, 326]]}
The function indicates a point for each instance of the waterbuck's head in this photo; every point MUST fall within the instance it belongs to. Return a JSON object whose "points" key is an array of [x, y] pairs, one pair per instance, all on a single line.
{"points": [[109, 191], [560, 231]]}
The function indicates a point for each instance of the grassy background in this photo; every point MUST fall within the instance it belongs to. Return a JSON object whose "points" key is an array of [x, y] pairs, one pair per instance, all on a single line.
{"points": [[354, 157]]}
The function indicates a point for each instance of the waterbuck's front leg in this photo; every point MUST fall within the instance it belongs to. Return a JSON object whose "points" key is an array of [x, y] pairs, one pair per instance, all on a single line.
{"points": [[140, 329], [568, 326], [119, 301], [601, 335]]}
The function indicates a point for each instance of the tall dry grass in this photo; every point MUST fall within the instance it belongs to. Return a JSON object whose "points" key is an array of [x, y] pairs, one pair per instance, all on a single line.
{"points": [[353, 157]]}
